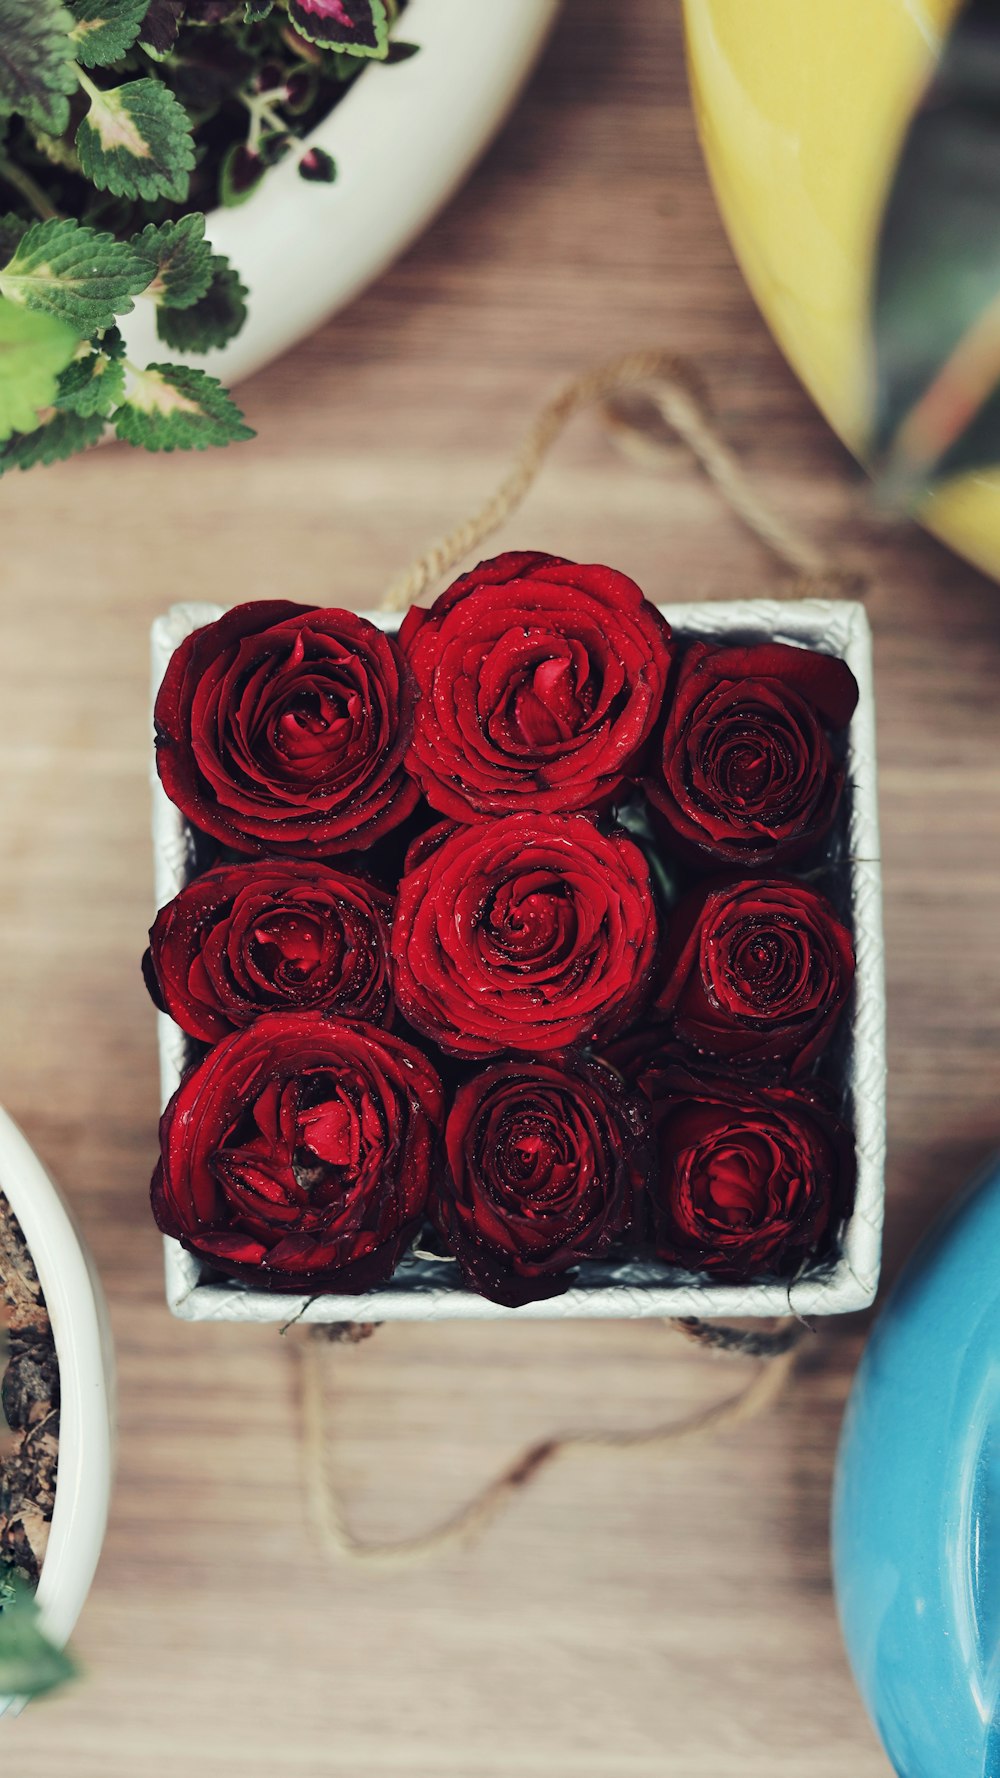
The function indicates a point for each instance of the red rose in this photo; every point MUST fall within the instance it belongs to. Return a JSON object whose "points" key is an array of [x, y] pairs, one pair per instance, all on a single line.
{"points": [[747, 772], [245, 939], [282, 728], [298, 1154], [544, 1167], [751, 1181], [530, 933], [540, 681], [756, 971]]}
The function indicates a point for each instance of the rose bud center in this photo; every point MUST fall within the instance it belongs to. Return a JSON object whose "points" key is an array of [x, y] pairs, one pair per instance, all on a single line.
{"points": [[291, 947], [317, 723], [548, 703], [533, 1152], [734, 1179], [752, 768], [766, 970], [289, 1161], [331, 1133], [529, 920]]}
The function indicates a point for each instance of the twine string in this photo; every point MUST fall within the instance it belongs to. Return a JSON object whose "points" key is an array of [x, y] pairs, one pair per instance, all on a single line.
{"points": [[669, 387], [329, 1515]]}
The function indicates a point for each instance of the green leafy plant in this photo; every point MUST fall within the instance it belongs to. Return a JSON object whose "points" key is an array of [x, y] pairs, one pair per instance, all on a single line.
{"points": [[30, 1663], [121, 122]]}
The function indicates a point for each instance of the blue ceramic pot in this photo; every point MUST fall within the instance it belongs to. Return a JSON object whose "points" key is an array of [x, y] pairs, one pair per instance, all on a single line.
{"points": [[916, 1515]]}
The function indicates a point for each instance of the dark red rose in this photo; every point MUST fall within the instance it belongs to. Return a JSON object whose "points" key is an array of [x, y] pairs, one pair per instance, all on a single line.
{"points": [[747, 774], [544, 1168], [282, 728], [756, 971], [281, 934], [298, 1154], [531, 933], [748, 1181], [540, 681]]}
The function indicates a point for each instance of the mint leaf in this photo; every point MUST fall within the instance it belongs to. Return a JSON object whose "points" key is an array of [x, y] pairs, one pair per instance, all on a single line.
{"points": [[58, 151], [12, 228], [94, 382], [181, 259], [61, 435], [37, 71], [29, 1663], [355, 27], [80, 275], [105, 29], [135, 140], [33, 351], [215, 318], [172, 407], [257, 9]]}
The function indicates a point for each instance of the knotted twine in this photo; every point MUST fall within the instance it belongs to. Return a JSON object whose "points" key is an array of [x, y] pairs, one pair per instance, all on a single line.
{"points": [[671, 398]]}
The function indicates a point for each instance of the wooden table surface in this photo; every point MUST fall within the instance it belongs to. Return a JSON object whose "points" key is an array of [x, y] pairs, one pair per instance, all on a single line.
{"points": [[634, 1616]]}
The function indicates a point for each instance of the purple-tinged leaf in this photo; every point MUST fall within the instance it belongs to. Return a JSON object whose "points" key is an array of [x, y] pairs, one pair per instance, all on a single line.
{"points": [[318, 166], [239, 175], [210, 12], [161, 25], [301, 90], [165, 18], [354, 27]]}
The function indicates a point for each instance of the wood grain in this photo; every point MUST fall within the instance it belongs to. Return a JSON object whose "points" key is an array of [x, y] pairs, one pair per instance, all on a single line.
{"points": [[635, 1617]]}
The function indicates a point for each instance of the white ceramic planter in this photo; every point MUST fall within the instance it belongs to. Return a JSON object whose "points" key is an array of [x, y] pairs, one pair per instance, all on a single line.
{"points": [[76, 1306], [403, 138], [425, 1289]]}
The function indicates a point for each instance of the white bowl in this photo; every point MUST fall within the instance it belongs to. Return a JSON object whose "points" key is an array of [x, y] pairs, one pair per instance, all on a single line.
{"points": [[76, 1306], [403, 138]]}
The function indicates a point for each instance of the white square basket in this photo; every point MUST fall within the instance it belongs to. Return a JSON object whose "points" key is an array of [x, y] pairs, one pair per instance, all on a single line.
{"points": [[426, 1289]]}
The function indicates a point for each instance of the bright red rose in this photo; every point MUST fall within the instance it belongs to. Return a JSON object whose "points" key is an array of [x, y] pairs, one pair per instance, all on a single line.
{"points": [[748, 1181], [282, 728], [540, 681], [297, 1156], [756, 971], [529, 933], [747, 774], [544, 1168], [280, 934]]}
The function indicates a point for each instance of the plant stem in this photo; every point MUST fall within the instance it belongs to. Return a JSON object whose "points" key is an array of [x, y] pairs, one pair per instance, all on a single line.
{"points": [[262, 112], [276, 122], [93, 92], [22, 182]]}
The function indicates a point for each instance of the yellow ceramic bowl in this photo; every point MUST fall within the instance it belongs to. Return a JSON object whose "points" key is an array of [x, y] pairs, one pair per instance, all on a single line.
{"points": [[801, 106]]}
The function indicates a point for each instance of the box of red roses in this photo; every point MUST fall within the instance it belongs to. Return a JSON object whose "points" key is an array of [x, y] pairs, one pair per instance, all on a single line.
{"points": [[524, 959]]}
